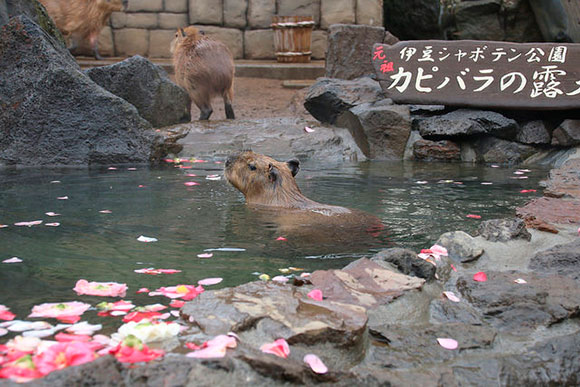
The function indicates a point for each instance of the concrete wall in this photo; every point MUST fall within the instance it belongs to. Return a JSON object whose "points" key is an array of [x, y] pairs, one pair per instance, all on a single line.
{"points": [[148, 26]]}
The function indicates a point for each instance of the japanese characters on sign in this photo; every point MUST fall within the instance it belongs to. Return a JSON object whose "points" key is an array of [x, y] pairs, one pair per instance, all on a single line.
{"points": [[480, 73]]}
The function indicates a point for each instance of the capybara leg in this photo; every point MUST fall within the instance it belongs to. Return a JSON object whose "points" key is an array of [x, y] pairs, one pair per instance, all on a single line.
{"points": [[228, 98], [205, 112], [94, 39], [73, 44], [229, 111]]}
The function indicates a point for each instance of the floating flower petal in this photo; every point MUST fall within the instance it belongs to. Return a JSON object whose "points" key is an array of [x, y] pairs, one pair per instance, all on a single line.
{"points": [[281, 238], [472, 216], [447, 343], [107, 289], [52, 214], [145, 239], [12, 260], [29, 224], [205, 255], [210, 281]]}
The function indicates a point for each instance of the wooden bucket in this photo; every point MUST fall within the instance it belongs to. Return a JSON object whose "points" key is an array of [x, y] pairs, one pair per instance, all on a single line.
{"points": [[292, 37]]}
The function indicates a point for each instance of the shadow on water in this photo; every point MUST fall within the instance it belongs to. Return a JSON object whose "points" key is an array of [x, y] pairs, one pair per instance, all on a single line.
{"points": [[415, 202]]}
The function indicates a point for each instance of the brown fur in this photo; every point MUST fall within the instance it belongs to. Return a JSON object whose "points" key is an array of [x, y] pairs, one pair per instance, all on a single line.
{"points": [[82, 19], [269, 185], [205, 68]]}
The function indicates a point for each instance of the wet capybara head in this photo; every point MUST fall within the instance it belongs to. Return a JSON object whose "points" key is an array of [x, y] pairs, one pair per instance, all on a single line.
{"points": [[262, 179]]}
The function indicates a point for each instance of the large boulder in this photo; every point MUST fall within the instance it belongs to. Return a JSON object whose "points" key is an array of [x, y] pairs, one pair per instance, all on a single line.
{"points": [[461, 246], [328, 98], [413, 19], [349, 55], [495, 150], [534, 133], [51, 113], [147, 87], [504, 230], [380, 129], [567, 134], [34, 10], [443, 150], [561, 259], [462, 123]]}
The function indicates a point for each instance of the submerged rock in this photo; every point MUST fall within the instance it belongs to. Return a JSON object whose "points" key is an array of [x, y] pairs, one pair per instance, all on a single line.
{"points": [[443, 150], [53, 114], [147, 87]]}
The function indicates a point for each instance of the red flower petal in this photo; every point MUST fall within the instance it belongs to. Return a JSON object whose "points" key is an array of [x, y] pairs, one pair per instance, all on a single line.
{"points": [[480, 277]]}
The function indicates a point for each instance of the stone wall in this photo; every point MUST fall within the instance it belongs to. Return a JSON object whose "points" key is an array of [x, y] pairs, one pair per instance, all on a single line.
{"points": [[148, 26]]}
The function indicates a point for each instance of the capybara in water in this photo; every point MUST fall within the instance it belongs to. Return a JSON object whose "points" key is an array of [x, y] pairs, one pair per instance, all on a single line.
{"points": [[205, 68], [269, 186], [82, 19]]}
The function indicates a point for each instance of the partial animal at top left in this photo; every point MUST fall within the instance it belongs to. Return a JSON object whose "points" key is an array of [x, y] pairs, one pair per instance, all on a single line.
{"points": [[80, 20]]}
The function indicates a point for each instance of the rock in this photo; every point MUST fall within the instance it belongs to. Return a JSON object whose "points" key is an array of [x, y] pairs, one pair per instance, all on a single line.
{"points": [[35, 11], [518, 308], [443, 150], [53, 114], [495, 150], [495, 20], [337, 12], [380, 129], [147, 87], [260, 13], [407, 262], [348, 50], [504, 230], [363, 283], [328, 98], [564, 182], [268, 311], [417, 346], [460, 246], [534, 132], [561, 259], [466, 122], [567, 134], [276, 137], [413, 19], [551, 211], [444, 311], [369, 12], [104, 371]]}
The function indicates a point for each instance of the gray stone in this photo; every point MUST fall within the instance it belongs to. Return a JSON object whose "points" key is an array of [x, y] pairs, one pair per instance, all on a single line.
{"points": [[567, 133], [147, 87], [534, 132], [32, 9], [444, 311], [118, 20], [407, 262], [205, 12], [231, 37], [443, 150], [328, 98], [283, 138], [495, 150], [504, 230], [260, 13], [131, 41], [53, 114], [318, 44], [104, 371], [460, 246], [259, 44], [172, 21], [380, 128], [369, 12], [413, 19], [337, 12], [519, 308], [235, 13], [466, 122], [348, 50], [561, 259], [176, 6], [141, 20], [160, 43], [300, 8], [145, 6], [495, 20]]}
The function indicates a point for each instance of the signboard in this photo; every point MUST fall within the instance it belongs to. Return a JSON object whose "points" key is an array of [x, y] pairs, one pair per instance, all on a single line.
{"points": [[480, 73]]}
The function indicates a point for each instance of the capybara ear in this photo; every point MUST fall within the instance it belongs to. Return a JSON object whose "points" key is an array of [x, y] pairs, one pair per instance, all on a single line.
{"points": [[201, 32], [273, 173], [294, 166], [181, 32]]}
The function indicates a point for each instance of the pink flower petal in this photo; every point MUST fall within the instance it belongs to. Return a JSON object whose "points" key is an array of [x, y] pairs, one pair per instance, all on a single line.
{"points": [[315, 294], [205, 255], [473, 216], [280, 278], [279, 348], [106, 211], [56, 224], [447, 343], [451, 296], [29, 224], [145, 239], [142, 290], [527, 190], [315, 364], [520, 281], [190, 183], [59, 310], [62, 198], [453, 267], [281, 238], [480, 277], [12, 260], [3, 225], [209, 281], [208, 353], [52, 214], [308, 129]]}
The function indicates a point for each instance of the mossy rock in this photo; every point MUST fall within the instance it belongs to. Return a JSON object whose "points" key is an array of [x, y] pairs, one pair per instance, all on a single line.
{"points": [[34, 10]]}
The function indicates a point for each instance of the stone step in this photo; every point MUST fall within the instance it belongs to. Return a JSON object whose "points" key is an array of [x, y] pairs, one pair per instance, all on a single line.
{"points": [[244, 68]]}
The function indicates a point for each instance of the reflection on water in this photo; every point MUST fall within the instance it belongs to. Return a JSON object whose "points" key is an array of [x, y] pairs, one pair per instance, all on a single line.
{"points": [[212, 215]]}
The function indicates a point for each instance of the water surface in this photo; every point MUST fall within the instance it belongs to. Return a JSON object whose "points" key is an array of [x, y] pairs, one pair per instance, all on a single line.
{"points": [[416, 202]]}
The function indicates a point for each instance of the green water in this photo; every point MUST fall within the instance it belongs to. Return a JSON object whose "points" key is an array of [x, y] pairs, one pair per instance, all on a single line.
{"points": [[212, 215]]}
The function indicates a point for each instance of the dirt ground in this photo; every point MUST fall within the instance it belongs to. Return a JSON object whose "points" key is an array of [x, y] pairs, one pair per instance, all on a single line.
{"points": [[260, 98]]}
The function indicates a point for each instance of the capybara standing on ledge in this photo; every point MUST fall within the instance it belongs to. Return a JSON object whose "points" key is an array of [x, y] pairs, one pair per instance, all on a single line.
{"points": [[205, 68], [269, 186], [82, 19]]}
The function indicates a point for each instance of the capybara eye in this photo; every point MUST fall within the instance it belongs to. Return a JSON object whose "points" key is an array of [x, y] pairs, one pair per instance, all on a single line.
{"points": [[252, 167]]}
